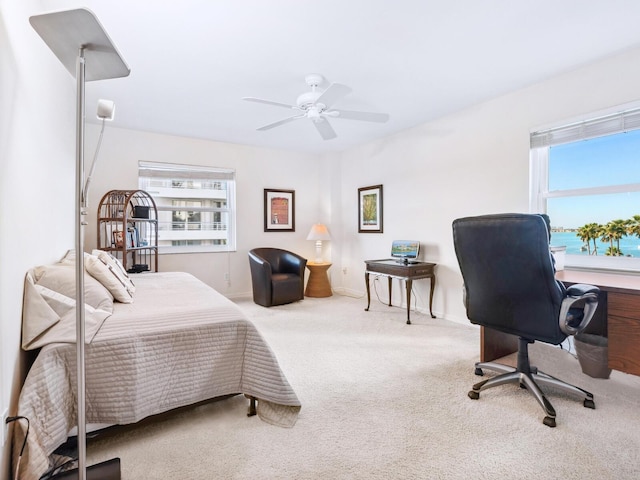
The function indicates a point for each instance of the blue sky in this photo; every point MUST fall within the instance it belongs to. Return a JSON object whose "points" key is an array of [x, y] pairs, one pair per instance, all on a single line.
{"points": [[610, 160]]}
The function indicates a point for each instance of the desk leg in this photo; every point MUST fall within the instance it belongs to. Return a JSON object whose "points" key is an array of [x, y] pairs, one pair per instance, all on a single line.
{"points": [[409, 282], [433, 287], [366, 282]]}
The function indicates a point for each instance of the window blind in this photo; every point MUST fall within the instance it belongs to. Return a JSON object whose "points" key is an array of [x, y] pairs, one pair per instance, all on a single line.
{"points": [[596, 127], [184, 172]]}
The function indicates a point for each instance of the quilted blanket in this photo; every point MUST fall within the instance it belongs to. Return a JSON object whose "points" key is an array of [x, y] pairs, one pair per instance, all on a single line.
{"points": [[178, 343]]}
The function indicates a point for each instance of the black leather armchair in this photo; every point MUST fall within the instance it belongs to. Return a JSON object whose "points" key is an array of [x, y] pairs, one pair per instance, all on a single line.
{"points": [[277, 276], [510, 286]]}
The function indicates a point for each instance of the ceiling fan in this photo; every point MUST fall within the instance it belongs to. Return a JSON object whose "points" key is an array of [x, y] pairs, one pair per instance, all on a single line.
{"points": [[316, 105]]}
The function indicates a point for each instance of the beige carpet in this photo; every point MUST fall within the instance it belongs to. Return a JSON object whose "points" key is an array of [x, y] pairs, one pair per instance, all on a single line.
{"points": [[386, 400]]}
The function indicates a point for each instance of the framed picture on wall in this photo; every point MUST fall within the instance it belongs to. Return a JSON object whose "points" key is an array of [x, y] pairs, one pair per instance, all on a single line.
{"points": [[370, 209], [279, 210]]}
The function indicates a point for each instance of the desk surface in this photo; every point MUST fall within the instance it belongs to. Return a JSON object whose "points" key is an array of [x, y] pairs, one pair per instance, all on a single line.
{"points": [[611, 282], [391, 261]]}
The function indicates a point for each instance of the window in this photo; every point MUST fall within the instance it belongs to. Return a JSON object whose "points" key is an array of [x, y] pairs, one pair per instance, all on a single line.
{"points": [[586, 177], [196, 206]]}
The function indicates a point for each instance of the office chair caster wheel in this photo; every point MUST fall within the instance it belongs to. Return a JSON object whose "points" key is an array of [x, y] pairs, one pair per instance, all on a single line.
{"points": [[588, 403], [549, 421], [473, 395], [479, 372]]}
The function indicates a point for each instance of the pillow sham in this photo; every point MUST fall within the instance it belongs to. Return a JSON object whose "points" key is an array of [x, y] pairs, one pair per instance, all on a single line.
{"points": [[49, 306], [61, 278], [109, 271]]}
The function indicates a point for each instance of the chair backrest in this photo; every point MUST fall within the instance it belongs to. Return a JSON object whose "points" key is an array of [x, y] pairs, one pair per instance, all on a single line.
{"points": [[508, 274], [281, 261]]}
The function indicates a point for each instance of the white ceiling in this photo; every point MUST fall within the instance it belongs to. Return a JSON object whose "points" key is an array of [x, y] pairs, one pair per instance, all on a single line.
{"points": [[193, 61]]}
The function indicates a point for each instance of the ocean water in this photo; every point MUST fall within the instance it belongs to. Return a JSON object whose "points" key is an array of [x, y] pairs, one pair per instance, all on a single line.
{"points": [[630, 246]]}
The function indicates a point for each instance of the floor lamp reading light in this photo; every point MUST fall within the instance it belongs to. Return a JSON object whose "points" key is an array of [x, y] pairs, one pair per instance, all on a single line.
{"points": [[84, 48]]}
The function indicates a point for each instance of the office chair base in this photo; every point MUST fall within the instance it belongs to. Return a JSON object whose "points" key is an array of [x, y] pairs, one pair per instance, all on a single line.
{"points": [[529, 380]]}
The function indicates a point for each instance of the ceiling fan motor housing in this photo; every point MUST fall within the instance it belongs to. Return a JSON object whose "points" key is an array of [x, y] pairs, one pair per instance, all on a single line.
{"points": [[307, 100]]}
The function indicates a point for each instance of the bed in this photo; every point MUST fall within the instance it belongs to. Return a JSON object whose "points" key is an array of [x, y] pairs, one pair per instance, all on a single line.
{"points": [[177, 343]]}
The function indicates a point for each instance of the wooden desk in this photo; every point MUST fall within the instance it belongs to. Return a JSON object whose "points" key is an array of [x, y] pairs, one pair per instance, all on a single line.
{"points": [[622, 314], [318, 284], [407, 272]]}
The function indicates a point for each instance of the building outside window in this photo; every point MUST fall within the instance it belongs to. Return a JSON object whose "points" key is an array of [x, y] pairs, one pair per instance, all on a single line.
{"points": [[586, 177], [196, 206]]}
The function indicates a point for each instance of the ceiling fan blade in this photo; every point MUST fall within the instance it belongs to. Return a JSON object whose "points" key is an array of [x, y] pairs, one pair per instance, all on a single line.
{"points": [[366, 116], [332, 94], [280, 122], [268, 102], [325, 129]]}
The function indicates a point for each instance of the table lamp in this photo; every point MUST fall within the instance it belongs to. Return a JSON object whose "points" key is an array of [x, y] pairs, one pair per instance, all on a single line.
{"points": [[319, 232]]}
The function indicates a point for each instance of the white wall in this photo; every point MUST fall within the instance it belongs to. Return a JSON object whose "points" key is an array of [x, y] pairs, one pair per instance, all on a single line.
{"points": [[37, 128], [473, 162], [256, 169]]}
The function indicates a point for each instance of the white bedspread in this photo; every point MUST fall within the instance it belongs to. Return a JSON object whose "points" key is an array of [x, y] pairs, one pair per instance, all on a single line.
{"points": [[179, 343]]}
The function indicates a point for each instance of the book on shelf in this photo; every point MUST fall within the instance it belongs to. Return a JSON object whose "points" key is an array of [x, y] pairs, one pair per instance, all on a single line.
{"points": [[132, 237]]}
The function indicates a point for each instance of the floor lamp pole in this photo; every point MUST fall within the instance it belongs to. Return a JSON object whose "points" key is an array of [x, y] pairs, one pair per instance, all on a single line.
{"points": [[79, 231], [84, 48]]}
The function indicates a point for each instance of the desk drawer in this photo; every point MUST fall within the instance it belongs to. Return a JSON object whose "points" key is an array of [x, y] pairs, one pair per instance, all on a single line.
{"points": [[624, 332], [406, 271], [422, 271]]}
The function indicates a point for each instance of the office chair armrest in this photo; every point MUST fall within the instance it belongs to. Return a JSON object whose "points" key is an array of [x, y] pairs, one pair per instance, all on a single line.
{"points": [[578, 308], [581, 289]]}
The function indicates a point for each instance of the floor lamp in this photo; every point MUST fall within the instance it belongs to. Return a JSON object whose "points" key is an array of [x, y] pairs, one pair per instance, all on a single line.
{"points": [[84, 48]]}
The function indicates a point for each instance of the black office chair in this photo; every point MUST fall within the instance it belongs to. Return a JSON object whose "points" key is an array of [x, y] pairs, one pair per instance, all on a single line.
{"points": [[510, 286], [277, 276]]}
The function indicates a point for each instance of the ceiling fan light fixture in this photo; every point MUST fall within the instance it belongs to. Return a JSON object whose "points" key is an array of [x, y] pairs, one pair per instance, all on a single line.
{"points": [[314, 112]]}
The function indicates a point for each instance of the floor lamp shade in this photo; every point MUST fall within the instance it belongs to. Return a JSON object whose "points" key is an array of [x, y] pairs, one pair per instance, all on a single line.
{"points": [[319, 232]]}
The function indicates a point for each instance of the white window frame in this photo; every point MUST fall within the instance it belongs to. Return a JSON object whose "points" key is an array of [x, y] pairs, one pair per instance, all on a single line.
{"points": [[619, 120], [175, 171]]}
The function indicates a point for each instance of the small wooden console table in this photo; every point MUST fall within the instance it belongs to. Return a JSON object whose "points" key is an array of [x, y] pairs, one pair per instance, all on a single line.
{"points": [[403, 271]]}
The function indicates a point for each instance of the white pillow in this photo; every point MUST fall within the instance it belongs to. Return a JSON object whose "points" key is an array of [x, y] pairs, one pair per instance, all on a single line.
{"points": [[61, 277], [49, 306], [110, 272], [109, 259]]}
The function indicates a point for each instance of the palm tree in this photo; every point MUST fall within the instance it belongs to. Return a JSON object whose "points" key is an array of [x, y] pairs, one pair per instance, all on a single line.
{"points": [[589, 232], [634, 226], [613, 252], [613, 232], [583, 234], [594, 231]]}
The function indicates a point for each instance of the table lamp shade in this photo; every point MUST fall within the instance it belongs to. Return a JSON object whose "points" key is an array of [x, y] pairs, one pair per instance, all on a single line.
{"points": [[319, 232]]}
